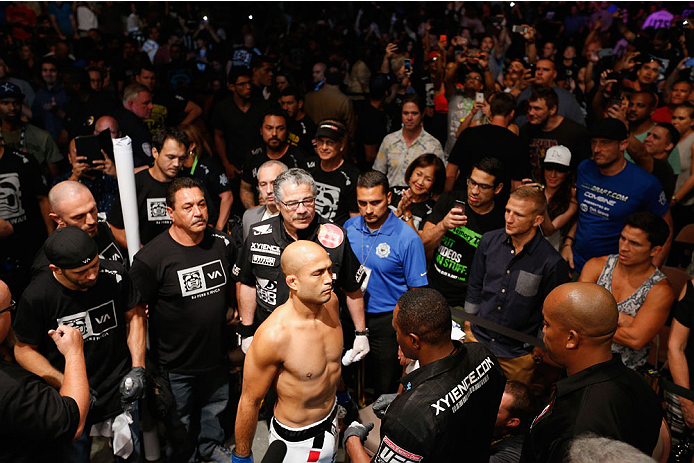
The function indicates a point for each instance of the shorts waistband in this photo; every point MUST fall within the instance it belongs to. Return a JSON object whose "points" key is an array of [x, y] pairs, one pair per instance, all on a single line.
{"points": [[293, 435]]}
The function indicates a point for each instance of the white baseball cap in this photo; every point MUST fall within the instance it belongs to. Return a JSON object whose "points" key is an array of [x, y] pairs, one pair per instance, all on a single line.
{"points": [[558, 156]]}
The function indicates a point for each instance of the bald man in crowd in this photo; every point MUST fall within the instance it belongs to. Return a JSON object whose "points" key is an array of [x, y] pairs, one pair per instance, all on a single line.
{"points": [[73, 204], [298, 348], [107, 122], [600, 394]]}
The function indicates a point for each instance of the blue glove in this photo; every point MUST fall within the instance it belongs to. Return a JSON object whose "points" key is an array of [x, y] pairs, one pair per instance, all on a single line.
{"points": [[357, 429], [237, 459]]}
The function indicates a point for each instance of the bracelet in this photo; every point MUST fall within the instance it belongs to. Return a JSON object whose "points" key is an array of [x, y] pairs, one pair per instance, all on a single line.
{"points": [[570, 238], [362, 333]]}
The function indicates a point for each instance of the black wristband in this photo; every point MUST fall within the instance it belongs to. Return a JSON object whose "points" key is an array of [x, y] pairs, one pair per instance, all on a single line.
{"points": [[245, 330]]}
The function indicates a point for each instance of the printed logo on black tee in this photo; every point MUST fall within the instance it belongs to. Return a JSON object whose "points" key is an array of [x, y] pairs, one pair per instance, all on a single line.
{"points": [[390, 452], [326, 200], [11, 208], [201, 278], [95, 323], [156, 210], [111, 252]]}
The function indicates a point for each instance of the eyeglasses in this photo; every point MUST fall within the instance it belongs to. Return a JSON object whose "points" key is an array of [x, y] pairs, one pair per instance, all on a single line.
{"points": [[473, 78], [481, 186], [294, 205], [12, 306]]}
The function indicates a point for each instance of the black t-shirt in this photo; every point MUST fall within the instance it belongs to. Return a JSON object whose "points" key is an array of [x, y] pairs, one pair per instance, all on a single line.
{"points": [[21, 182], [606, 399], [293, 157], [450, 265], [258, 263], [187, 289], [34, 417], [420, 211], [683, 311], [241, 130], [136, 129], [168, 111], [373, 126], [302, 133], [106, 243], [151, 207], [98, 313], [569, 133], [447, 410], [490, 141], [210, 172], [662, 170], [337, 190]]}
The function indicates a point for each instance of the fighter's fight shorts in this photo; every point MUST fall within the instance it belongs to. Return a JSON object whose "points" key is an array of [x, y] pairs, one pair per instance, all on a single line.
{"points": [[313, 443]]}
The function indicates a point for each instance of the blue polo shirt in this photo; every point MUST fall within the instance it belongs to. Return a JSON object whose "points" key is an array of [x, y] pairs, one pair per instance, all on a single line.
{"points": [[395, 256]]}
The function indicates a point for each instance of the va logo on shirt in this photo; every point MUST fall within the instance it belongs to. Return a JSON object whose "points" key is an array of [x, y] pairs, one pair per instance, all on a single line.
{"points": [[390, 452], [201, 278], [94, 322], [156, 210], [10, 197]]}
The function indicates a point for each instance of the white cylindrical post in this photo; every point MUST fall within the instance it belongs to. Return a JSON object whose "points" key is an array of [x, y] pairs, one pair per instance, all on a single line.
{"points": [[123, 157]]}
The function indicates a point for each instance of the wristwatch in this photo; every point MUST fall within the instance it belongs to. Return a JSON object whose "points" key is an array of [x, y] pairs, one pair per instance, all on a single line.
{"points": [[406, 218], [362, 333]]}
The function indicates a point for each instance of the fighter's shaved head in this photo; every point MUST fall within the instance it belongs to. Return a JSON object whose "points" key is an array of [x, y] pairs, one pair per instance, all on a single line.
{"points": [[586, 308], [298, 254], [66, 190]]}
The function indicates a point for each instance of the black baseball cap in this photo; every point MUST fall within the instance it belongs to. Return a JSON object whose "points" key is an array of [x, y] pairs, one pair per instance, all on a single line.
{"points": [[8, 89], [330, 130], [610, 129], [70, 247]]}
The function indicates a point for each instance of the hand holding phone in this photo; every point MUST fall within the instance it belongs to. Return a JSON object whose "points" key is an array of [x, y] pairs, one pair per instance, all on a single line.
{"points": [[459, 204]]}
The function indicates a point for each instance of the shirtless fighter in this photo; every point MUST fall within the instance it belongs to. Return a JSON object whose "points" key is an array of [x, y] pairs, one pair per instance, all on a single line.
{"points": [[298, 350]]}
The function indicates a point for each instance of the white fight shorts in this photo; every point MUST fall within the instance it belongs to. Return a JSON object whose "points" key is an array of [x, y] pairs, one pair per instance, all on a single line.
{"points": [[313, 443]]}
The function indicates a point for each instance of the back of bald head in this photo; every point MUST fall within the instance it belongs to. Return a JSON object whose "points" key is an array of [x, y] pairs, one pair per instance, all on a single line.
{"points": [[107, 122], [64, 190], [298, 254], [587, 308]]}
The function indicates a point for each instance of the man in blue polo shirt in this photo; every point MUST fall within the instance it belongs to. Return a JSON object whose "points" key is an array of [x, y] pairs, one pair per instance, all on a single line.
{"points": [[392, 261], [609, 189]]}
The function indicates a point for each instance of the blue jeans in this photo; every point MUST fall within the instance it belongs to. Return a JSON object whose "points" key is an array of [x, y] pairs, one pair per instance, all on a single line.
{"points": [[78, 450], [200, 397]]}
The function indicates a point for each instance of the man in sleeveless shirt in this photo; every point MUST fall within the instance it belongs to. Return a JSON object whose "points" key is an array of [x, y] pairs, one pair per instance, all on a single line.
{"points": [[642, 292]]}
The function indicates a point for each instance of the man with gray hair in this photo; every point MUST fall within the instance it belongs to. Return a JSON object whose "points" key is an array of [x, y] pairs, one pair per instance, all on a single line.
{"points": [[137, 106], [263, 287], [267, 173]]}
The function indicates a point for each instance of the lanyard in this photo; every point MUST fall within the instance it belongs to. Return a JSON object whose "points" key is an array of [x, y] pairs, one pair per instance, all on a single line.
{"points": [[22, 137], [372, 244], [195, 164]]}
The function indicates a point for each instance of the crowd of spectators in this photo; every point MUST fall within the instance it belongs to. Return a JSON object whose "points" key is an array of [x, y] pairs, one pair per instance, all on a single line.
{"points": [[491, 150]]}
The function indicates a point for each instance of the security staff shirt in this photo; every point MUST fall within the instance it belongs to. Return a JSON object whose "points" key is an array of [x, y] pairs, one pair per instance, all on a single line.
{"points": [[607, 399], [447, 410]]}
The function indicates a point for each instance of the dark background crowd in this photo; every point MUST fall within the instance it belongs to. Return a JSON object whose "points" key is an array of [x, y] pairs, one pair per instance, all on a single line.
{"points": [[591, 103]]}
